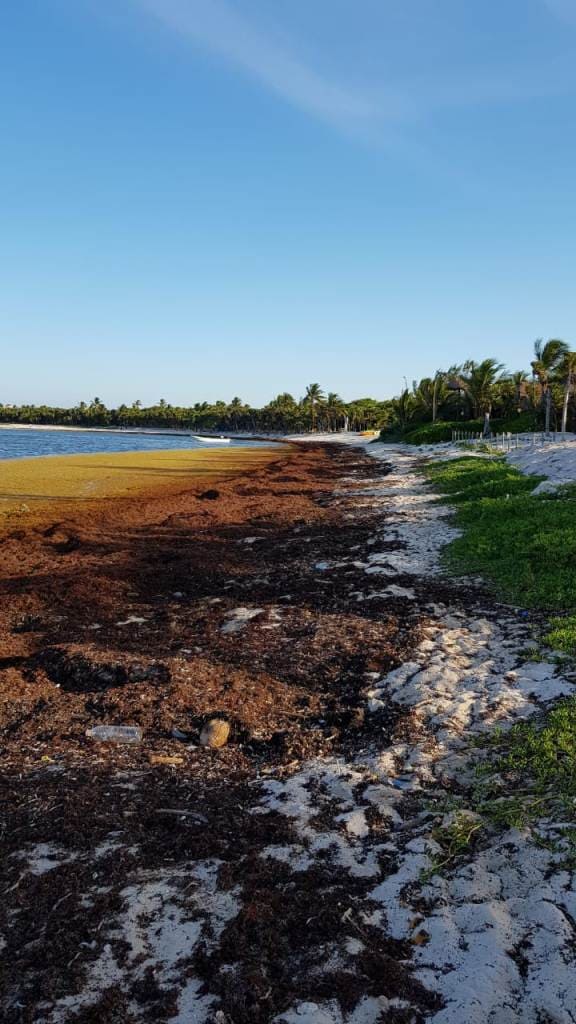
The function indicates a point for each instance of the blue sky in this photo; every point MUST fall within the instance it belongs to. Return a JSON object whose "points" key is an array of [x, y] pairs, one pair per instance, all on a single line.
{"points": [[209, 198]]}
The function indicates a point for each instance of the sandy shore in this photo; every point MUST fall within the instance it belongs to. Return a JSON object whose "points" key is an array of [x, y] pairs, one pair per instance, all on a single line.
{"points": [[556, 460], [159, 613], [291, 877]]}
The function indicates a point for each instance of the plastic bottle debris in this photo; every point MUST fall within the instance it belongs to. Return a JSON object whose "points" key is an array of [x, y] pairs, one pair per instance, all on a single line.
{"points": [[115, 733]]}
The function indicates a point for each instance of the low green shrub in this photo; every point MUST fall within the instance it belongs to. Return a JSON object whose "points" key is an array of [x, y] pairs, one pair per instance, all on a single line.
{"points": [[469, 479], [437, 433], [524, 423], [441, 431], [524, 544]]}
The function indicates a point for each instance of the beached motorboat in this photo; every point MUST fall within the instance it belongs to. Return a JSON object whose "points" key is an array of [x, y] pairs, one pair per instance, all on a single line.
{"points": [[211, 440]]}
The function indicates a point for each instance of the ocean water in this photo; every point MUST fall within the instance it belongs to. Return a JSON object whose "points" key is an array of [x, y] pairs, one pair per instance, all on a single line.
{"points": [[21, 443]]}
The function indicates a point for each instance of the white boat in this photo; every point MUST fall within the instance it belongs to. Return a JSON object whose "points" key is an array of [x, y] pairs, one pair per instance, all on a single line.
{"points": [[211, 440]]}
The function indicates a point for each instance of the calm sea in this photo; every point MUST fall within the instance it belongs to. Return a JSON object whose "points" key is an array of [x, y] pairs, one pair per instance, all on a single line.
{"points": [[21, 443]]}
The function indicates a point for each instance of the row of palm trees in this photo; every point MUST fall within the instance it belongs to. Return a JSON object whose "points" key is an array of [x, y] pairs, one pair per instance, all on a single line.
{"points": [[475, 390], [316, 410], [469, 391]]}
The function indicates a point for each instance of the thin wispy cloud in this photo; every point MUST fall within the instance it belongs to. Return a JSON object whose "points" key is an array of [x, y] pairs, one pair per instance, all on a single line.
{"points": [[563, 9], [376, 113], [496, 86], [215, 26]]}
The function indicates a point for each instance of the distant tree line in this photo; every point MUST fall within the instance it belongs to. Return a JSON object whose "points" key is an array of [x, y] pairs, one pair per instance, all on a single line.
{"points": [[284, 414], [475, 393]]}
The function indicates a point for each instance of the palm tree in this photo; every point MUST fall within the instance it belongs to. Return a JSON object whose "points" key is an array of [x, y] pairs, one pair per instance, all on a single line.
{"points": [[518, 380], [313, 398], [335, 408], [480, 385], [235, 409], [455, 398], [423, 390], [567, 373], [430, 393], [97, 411], [548, 357], [438, 392], [514, 389], [281, 413], [283, 401], [403, 408]]}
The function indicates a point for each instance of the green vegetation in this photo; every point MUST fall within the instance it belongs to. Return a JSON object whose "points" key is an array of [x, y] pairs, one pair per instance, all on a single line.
{"points": [[454, 839], [549, 361], [532, 773], [524, 544], [562, 635], [473, 396], [469, 479], [284, 414], [529, 775], [436, 433], [481, 397]]}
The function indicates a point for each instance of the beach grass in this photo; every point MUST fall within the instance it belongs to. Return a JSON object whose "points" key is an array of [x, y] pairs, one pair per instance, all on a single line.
{"points": [[532, 771], [524, 543], [30, 486], [562, 635]]}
